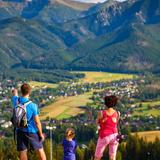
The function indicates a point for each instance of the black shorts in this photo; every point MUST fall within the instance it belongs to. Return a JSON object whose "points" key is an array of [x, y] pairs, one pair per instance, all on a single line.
{"points": [[27, 141]]}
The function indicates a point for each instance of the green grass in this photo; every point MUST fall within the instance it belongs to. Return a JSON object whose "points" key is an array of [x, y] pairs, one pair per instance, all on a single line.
{"points": [[92, 77], [37, 85], [145, 111], [66, 107]]}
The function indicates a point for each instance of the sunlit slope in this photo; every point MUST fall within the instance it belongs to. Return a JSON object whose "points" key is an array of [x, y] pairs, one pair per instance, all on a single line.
{"points": [[93, 77], [149, 135], [74, 4], [66, 107]]}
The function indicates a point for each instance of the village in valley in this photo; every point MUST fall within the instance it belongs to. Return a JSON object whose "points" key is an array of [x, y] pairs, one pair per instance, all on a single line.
{"points": [[83, 99]]}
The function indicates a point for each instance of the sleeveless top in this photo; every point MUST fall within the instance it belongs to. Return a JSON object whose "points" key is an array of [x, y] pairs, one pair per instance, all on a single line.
{"points": [[107, 125]]}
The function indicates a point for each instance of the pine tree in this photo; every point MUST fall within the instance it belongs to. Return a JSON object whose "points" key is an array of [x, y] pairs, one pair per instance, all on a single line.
{"points": [[133, 148], [79, 154]]}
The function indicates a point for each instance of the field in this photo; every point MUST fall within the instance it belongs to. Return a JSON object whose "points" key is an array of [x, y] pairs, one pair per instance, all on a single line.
{"points": [[37, 85], [66, 107], [70, 106], [149, 135], [147, 109], [92, 77]]}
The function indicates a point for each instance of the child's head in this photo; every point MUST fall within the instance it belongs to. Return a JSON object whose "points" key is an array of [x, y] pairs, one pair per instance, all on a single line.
{"points": [[70, 133]]}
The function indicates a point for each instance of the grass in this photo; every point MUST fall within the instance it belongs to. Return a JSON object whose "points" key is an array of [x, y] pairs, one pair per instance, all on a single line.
{"points": [[92, 77], [38, 85], [149, 135], [66, 107], [145, 111]]}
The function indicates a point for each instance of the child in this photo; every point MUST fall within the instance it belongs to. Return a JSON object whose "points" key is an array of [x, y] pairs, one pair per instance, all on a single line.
{"points": [[69, 145]]}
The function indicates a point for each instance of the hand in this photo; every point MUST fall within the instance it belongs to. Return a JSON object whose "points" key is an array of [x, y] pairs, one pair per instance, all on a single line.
{"points": [[15, 92], [42, 137]]}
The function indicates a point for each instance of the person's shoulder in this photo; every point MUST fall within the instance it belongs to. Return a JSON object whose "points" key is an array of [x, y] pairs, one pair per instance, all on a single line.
{"points": [[33, 105], [101, 113], [75, 141], [64, 141], [117, 112]]}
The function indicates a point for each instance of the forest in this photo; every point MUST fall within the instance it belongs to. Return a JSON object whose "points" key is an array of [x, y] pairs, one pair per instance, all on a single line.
{"points": [[133, 149]]}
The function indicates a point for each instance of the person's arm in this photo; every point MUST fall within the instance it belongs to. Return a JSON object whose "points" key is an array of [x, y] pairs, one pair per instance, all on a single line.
{"points": [[75, 147], [39, 126], [15, 97], [99, 116]]}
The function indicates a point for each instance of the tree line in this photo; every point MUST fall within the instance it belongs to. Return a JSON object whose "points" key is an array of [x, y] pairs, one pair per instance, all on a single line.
{"points": [[134, 148]]}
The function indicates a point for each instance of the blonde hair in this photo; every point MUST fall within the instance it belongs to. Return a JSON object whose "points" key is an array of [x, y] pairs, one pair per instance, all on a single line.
{"points": [[70, 133]]}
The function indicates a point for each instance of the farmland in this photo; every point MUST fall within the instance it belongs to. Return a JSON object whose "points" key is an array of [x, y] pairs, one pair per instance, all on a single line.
{"points": [[69, 106], [149, 135], [66, 107], [38, 85], [93, 77], [147, 109]]}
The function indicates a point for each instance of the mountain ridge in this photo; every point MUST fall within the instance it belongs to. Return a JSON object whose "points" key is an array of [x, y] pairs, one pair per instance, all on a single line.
{"points": [[111, 36]]}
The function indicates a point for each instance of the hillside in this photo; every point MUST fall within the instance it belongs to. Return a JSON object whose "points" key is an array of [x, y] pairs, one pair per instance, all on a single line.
{"points": [[111, 36], [126, 38], [135, 48], [22, 41], [75, 4]]}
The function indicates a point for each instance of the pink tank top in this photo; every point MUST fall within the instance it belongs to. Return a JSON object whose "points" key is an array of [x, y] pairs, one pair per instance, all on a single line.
{"points": [[107, 125]]}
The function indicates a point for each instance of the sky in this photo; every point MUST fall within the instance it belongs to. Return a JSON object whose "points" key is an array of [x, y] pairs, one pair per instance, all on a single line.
{"points": [[95, 1]]}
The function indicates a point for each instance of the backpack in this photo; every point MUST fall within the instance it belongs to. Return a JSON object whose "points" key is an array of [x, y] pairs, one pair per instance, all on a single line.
{"points": [[19, 118]]}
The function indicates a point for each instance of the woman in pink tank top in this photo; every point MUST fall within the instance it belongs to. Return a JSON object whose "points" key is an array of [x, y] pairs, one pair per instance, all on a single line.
{"points": [[107, 120]]}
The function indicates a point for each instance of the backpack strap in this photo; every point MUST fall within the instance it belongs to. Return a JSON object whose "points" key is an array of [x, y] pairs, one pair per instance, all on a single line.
{"points": [[24, 105], [27, 103]]}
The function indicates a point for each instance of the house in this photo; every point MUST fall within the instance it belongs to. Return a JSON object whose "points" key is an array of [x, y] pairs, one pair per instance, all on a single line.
{"points": [[6, 124]]}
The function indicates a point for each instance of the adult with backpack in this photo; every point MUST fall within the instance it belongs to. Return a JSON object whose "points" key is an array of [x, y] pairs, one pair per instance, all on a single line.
{"points": [[107, 120], [28, 126]]}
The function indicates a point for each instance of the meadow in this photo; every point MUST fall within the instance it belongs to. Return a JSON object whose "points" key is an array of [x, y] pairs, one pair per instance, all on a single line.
{"points": [[94, 77], [147, 109], [148, 135], [38, 85], [66, 107]]}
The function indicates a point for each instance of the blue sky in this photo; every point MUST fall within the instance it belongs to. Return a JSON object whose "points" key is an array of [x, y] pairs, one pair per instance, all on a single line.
{"points": [[95, 1]]}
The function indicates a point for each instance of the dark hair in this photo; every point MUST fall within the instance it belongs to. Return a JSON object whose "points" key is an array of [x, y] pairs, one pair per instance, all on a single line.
{"points": [[25, 89], [110, 101]]}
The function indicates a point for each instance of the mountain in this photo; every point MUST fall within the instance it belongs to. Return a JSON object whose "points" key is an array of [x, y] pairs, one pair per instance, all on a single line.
{"points": [[126, 38], [78, 5], [110, 36], [23, 40]]}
